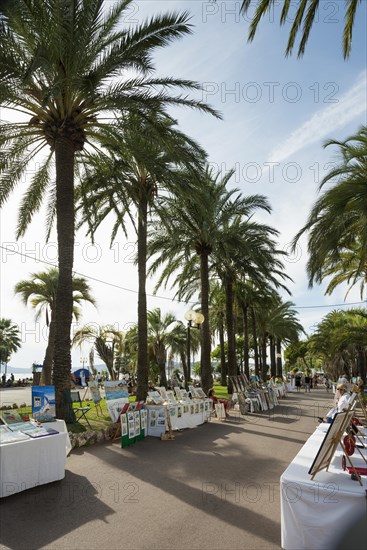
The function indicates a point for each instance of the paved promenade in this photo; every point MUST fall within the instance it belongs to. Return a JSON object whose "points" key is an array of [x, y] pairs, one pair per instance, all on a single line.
{"points": [[213, 487]]}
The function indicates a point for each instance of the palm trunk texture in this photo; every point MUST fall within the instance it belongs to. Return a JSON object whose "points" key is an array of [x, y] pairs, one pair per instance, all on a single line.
{"points": [[143, 366], [64, 156], [206, 369]]}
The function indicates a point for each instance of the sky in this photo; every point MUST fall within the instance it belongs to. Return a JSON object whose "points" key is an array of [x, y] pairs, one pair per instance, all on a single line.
{"points": [[277, 113]]}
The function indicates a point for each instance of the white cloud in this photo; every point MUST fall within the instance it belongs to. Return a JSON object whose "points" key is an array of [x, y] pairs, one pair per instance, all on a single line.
{"points": [[350, 106]]}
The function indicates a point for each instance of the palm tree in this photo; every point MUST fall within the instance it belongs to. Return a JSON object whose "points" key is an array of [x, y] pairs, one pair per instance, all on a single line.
{"points": [[64, 64], [341, 338], [160, 336], [9, 340], [337, 229], [146, 158], [105, 340], [186, 239], [40, 291], [303, 20], [246, 249], [217, 311]]}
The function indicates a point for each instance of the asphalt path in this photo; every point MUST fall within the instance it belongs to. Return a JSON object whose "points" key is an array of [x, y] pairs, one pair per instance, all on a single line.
{"points": [[213, 487]]}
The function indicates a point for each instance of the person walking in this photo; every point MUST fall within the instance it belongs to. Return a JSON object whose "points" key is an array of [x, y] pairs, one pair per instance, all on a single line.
{"points": [[307, 383]]}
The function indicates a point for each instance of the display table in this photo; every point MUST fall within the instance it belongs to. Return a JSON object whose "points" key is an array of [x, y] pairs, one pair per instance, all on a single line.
{"points": [[32, 462], [313, 512], [60, 426], [157, 422]]}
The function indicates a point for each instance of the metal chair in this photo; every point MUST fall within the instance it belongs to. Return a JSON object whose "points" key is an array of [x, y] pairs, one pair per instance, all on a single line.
{"points": [[80, 412]]}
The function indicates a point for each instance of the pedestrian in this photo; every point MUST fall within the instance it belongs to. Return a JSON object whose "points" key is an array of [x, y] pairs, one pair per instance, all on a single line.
{"points": [[307, 383], [298, 380]]}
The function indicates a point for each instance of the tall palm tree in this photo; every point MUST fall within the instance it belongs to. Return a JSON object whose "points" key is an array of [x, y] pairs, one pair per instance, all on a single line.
{"points": [[178, 346], [247, 249], [341, 338], [217, 309], [68, 68], [186, 239], [40, 291], [160, 336], [105, 340], [304, 19], [145, 160], [336, 226], [10, 340]]}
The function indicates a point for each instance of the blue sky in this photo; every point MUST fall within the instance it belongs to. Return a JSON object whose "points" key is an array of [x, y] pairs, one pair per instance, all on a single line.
{"points": [[277, 113]]}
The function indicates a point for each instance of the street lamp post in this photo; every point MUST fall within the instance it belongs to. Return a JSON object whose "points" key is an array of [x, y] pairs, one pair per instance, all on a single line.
{"points": [[197, 318]]}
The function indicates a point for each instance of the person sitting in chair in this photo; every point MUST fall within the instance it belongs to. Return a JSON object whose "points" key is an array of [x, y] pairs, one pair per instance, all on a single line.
{"points": [[215, 400], [342, 404]]}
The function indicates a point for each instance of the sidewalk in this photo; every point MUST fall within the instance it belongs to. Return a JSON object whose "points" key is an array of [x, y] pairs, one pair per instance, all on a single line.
{"points": [[213, 487]]}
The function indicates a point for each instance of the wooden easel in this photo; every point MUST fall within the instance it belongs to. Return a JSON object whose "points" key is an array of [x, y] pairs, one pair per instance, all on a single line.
{"points": [[168, 434], [333, 438]]}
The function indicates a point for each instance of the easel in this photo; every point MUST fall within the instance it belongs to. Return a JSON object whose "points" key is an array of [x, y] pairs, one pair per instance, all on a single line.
{"points": [[168, 434], [357, 390], [333, 438]]}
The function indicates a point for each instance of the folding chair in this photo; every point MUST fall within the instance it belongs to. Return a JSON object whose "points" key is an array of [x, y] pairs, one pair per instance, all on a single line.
{"points": [[80, 412]]}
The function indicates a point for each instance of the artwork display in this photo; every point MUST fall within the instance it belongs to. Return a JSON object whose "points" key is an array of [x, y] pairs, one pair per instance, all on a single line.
{"points": [[12, 437], [44, 403], [330, 442], [123, 420], [171, 397], [163, 392], [10, 417], [156, 397], [117, 397], [137, 423], [143, 419], [94, 391]]}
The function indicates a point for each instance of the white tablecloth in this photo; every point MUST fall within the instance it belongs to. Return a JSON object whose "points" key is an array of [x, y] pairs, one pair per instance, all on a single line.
{"points": [[26, 464], [186, 420], [60, 426], [314, 512]]}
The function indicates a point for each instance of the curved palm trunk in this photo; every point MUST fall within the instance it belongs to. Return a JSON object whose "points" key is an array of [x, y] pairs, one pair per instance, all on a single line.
{"points": [[49, 354], [205, 367], [64, 157], [143, 366], [256, 347], [245, 339], [223, 366], [232, 367]]}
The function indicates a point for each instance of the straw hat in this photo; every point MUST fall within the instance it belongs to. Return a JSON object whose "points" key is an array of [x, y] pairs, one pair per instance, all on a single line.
{"points": [[342, 387]]}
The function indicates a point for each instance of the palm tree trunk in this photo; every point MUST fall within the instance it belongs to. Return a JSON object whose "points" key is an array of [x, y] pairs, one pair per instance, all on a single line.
{"points": [[64, 157], [223, 366], [245, 340], [46, 377], [272, 356], [184, 369], [256, 348], [264, 366], [232, 367], [143, 366], [162, 366], [205, 367], [279, 369]]}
